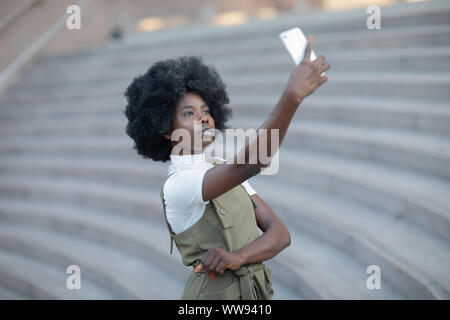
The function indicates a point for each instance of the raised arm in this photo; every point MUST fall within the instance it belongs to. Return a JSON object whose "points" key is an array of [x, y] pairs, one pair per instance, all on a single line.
{"points": [[303, 81]]}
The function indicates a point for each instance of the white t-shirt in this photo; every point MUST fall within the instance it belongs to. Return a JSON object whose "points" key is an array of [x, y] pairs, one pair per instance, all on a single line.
{"points": [[183, 190]]}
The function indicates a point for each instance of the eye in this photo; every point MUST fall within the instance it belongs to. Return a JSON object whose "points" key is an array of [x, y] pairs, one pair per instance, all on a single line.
{"points": [[186, 113], [207, 111]]}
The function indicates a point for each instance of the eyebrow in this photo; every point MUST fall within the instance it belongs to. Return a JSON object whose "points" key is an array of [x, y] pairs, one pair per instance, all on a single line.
{"points": [[205, 105]]}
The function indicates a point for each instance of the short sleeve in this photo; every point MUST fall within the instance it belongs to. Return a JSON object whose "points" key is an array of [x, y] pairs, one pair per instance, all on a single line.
{"points": [[183, 190], [248, 188], [250, 191]]}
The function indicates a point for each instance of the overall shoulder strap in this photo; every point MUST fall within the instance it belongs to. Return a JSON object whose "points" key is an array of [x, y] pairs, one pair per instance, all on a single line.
{"points": [[213, 161], [217, 160], [165, 217]]}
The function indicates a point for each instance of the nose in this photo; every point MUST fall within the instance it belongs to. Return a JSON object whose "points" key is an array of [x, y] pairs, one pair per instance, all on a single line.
{"points": [[203, 118]]}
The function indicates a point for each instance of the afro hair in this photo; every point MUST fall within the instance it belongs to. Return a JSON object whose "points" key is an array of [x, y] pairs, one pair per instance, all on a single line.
{"points": [[152, 99]]}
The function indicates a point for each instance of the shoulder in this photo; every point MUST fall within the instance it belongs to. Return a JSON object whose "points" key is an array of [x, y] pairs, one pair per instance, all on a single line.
{"points": [[183, 189], [248, 188]]}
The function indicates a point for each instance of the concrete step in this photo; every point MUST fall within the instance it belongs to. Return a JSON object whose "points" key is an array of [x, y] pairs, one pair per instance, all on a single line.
{"points": [[7, 294], [107, 124], [263, 42], [103, 195], [402, 59], [407, 149], [411, 85], [268, 41], [110, 230], [77, 124], [411, 259], [28, 278], [78, 91], [427, 153], [59, 109], [126, 172], [121, 148], [423, 185], [15, 213], [61, 218], [374, 59], [132, 236], [358, 156], [402, 14], [371, 111], [124, 233], [406, 195], [124, 275], [56, 195], [319, 271], [10, 211], [74, 117]]}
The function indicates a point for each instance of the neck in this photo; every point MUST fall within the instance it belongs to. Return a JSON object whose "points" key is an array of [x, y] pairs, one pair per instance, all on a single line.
{"points": [[184, 152]]}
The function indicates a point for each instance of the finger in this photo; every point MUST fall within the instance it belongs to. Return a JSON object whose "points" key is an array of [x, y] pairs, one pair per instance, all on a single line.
{"points": [[207, 259], [323, 79], [204, 259], [214, 263], [221, 267], [204, 263], [308, 49], [319, 61], [324, 68], [307, 56], [198, 268]]}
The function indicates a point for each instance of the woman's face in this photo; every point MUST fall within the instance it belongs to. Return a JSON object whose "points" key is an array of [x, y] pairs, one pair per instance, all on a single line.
{"points": [[192, 117]]}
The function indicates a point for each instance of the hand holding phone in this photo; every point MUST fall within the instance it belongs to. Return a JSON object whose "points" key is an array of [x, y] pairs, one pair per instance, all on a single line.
{"points": [[309, 73], [295, 42]]}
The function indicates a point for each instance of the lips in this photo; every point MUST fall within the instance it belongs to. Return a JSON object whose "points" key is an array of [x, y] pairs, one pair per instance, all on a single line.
{"points": [[207, 132]]}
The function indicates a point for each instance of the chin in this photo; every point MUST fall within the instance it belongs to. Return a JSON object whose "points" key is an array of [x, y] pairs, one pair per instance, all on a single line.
{"points": [[209, 141]]}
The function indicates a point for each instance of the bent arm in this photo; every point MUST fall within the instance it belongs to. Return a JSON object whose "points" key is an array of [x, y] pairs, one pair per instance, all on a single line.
{"points": [[274, 239], [231, 175], [304, 80]]}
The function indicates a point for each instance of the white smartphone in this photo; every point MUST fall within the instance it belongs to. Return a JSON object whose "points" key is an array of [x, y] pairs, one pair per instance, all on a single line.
{"points": [[295, 42]]}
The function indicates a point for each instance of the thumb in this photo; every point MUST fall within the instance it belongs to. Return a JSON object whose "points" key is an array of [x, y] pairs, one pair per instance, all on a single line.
{"points": [[200, 267]]}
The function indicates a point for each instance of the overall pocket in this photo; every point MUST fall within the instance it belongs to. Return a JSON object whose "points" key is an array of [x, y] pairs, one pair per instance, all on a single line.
{"points": [[231, 292], [268, 283]]}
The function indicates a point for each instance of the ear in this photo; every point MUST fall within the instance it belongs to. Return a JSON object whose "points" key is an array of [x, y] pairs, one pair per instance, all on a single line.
{"points": [[167, 135]]}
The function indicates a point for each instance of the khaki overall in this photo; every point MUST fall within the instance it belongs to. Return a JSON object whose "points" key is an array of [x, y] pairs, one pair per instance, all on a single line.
{"points": [[229, 223]]}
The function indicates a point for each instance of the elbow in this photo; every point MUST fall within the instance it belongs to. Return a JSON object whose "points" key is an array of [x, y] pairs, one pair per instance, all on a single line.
{"points": [[283, 239], [286, 238], [248, 170]]}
